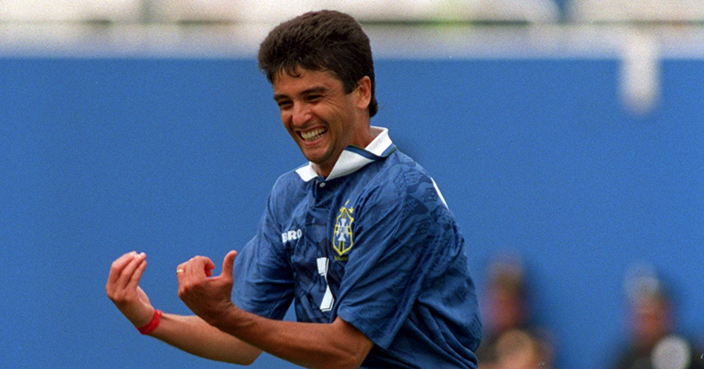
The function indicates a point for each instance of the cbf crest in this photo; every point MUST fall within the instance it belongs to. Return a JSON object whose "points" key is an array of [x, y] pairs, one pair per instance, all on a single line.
{"points": [[343, 238]]}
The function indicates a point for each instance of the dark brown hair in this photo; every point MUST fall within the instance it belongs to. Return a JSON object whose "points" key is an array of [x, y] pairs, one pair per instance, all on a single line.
{"points": [[324, 40]]}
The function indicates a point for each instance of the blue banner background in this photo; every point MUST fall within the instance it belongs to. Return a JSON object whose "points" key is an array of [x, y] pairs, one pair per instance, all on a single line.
{"points": [[175, 158]]}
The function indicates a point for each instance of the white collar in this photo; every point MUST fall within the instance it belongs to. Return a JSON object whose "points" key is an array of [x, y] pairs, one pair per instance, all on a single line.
{"points": [[354, 158]]}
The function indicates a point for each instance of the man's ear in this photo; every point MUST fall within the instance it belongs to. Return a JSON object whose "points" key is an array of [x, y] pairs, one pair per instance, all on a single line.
{"points": [[364, 92]]}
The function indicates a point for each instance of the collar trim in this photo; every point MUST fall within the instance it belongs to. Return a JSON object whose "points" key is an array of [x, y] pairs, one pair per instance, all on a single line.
{"points": [[354, 158]]}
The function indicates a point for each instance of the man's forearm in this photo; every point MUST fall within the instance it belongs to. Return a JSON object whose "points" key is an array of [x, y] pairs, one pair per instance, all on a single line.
{"points": [[312, 345], [193, 335]]}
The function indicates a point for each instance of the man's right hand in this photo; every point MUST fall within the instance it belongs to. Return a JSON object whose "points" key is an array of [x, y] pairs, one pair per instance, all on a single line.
{"points": [[124, 291]]}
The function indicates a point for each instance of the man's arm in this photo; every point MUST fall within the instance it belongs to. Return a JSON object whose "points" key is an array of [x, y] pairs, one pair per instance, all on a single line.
{"points": [[312, 345], [193, 335], [188, 333]]}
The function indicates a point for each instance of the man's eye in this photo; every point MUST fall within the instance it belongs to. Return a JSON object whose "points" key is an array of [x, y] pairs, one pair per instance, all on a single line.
{"points": [[284, 104], [314, 97]]}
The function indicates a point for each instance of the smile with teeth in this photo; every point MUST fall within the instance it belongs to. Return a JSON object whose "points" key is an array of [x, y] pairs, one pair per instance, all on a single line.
{"points": [[312, 135]]}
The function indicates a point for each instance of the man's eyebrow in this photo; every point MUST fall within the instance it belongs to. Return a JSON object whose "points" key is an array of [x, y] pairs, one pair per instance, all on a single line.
{"points": [[312, 90]]}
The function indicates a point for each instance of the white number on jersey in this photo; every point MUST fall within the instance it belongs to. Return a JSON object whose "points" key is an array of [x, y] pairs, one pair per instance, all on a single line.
{"points": [[328, 299]]}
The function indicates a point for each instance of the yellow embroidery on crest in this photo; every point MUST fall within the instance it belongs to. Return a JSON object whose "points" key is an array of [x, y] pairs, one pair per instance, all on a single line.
{"points": [[342, 236]]}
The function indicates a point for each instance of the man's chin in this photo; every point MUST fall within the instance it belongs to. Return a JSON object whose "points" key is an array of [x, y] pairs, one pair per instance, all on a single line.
{"points": [[314, 156]]}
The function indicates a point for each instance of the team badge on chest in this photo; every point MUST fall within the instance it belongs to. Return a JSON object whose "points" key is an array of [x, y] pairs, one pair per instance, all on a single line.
{"points": [[342, 239]]}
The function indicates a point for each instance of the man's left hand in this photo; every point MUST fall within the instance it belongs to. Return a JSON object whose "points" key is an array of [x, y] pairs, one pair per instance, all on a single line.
{"points": [[208, 297]]}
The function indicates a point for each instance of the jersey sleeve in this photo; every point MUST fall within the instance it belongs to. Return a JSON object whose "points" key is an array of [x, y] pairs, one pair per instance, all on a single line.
{"points": [[263, 280], [404, 233]]}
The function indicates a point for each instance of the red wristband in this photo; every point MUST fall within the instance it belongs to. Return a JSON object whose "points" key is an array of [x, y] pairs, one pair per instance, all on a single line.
{"points": [[151, 326]]}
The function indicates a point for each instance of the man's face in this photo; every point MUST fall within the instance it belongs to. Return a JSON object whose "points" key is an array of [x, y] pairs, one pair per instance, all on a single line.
{"points": [[320, 116]]}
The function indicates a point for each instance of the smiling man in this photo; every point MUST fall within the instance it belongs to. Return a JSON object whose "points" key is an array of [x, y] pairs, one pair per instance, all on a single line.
{"points": [[321, 116], [359, 238]]}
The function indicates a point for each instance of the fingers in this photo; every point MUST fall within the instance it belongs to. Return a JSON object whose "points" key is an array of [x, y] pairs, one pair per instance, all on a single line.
{"points": [[201, 264], [118, 265], [122, 271], [198, 267], [181, 272], [137, 275], [195, 273], [128, 273], [208, 268], [228, 264]]}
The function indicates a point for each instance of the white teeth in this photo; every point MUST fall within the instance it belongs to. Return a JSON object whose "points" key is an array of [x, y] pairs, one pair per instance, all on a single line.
{"points": [[312, 134]]}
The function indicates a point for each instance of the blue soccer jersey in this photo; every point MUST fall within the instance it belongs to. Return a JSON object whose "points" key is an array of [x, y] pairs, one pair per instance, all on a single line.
{"points": [[374, 244]]}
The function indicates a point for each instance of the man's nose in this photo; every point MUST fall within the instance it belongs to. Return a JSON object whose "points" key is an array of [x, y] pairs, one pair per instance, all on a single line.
{"points": [[301, 114]]}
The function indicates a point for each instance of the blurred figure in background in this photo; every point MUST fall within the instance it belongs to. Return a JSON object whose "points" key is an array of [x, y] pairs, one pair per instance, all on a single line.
{"points": [[653, 342], [511, 340]]}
